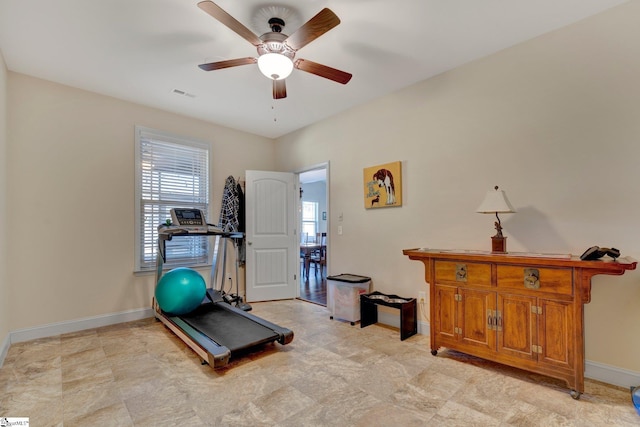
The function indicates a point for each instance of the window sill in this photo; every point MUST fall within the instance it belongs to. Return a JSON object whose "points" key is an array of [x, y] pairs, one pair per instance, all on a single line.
{"points": [[148, 271]]}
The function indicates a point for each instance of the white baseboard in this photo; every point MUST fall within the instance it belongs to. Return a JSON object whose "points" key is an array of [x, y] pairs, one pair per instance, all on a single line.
{"points": [[4, 348], [593, 370], [423, 328], [66, 327], [394, 320], [611, 374]]}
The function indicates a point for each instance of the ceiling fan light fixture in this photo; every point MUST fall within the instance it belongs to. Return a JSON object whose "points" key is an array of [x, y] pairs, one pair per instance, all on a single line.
{"points": [[275, 66]]}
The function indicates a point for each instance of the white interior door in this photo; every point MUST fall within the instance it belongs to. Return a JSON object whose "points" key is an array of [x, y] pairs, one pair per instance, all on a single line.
{"points": [[272, 247]]}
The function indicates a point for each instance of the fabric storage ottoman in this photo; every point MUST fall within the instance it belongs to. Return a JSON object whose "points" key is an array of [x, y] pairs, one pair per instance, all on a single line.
{"points": [[343, 295]]}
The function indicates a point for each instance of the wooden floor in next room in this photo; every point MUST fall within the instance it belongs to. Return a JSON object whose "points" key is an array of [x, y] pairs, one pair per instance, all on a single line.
{"points": [[313, 288]]}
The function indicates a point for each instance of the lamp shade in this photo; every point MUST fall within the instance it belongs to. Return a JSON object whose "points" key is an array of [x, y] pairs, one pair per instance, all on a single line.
{"points": [[275, 66], [495, 202]]}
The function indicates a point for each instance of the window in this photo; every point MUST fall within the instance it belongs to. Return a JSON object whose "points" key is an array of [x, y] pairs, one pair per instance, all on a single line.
{"points": [[171, 172], [309, 220]]}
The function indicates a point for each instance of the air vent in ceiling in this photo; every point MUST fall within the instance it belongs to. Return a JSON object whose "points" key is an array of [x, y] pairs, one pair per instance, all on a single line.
{"points": [[183, 93]]}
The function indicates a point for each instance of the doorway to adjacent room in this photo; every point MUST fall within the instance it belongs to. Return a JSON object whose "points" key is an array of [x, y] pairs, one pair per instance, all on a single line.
{"points": [[313, 220]]}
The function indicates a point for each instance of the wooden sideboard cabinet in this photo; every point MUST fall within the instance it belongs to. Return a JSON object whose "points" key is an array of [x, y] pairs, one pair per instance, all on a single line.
{"points": [[522, 310]]}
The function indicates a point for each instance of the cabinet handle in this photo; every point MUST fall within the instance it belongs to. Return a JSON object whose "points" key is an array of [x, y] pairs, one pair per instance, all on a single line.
{"points": [[490, 319], [494, 320], [531, 278], [461, 272]]}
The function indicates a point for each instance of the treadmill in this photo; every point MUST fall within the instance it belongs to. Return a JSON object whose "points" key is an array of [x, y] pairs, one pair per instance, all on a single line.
{"points": [[216, 330]]}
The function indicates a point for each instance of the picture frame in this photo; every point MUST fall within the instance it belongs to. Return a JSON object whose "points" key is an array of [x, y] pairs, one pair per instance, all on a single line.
{"points": [[383, 185]]}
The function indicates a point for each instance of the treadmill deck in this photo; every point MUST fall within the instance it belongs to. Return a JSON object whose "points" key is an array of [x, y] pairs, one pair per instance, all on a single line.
{"points": [[217, 330], [227, 328]]}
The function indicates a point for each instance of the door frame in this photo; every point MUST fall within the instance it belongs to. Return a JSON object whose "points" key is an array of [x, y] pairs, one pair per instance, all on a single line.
{"points": [[297, 172]]}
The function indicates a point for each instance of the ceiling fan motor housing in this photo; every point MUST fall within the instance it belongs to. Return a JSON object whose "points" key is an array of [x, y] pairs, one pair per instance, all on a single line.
{"points": [[273, 42], [276, 24]]}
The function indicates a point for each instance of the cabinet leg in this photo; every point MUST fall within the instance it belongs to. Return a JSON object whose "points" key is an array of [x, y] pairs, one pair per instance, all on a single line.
{"points": [[575, 394], [434, 352]]}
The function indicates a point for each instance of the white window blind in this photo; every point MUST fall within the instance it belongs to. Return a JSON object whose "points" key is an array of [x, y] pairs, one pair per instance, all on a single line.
{"points": [[171, 172], [309, 220]]}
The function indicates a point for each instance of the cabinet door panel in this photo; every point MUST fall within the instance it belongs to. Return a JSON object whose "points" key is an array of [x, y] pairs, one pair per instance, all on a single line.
{"points": [[444, 313], [556, 327], [474, 318], [517, 326]]}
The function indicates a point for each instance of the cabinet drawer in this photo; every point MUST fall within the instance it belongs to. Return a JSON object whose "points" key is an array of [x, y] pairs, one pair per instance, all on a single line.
{"points": [[464, 273], [550, 280]]}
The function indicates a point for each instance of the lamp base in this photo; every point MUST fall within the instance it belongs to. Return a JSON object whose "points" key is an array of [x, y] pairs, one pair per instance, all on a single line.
{"points": [[498, 245]]}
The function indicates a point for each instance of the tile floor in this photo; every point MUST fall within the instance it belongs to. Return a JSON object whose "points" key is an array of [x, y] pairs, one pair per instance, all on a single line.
{"points": [[332, 374]]}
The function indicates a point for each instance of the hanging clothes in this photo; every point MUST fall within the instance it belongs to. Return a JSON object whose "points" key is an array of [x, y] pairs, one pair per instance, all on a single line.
{"points": [[241, 225], [232, 214], [229, 210], [241, 220]]}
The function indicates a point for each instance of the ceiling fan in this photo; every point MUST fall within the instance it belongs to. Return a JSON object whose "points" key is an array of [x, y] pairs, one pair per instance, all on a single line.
{"points": [[276, 51]]}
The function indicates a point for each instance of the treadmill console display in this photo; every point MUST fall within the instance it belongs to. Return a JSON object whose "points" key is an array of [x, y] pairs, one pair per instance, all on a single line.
{"points": [[192, 220]]}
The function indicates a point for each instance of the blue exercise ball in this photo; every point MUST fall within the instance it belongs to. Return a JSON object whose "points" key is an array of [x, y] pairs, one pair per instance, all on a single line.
{"points": [[635, 397], [180, 291]]}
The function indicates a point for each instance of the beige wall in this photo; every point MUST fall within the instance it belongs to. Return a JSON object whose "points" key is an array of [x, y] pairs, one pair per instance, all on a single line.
{"points": [[4, 287], [71, 194], [555, 122]]}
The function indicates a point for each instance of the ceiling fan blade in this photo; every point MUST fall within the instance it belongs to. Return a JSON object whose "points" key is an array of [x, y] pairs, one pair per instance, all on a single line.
{"points": [[312, 29], [279, 89], [228, 63], [232, 23], [323, 71]]}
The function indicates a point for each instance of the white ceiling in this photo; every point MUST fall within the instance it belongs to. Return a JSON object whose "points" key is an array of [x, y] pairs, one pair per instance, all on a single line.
{"points": [[141, 50]]}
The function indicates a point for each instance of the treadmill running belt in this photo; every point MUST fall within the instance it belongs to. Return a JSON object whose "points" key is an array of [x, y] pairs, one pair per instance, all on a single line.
{"points": [[227, 328]]}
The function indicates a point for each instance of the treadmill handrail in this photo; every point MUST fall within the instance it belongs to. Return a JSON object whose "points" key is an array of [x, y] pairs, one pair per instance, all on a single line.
{"points": [[166, 232]]}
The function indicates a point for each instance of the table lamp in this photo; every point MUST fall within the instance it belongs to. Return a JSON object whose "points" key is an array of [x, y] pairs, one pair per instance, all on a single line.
{"points": [[496, 202]]}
